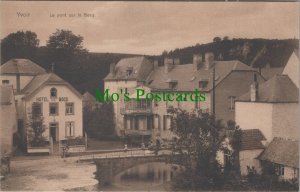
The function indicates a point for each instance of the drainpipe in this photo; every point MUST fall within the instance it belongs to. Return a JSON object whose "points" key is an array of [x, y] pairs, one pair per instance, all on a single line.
{"points": [[18, 82]]}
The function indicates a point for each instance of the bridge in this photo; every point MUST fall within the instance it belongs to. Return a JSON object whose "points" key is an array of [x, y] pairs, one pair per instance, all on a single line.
{"points": [[110, 164]]}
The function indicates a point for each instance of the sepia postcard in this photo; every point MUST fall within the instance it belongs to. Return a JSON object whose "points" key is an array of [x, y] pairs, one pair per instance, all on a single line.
{"points": [[149, 96]]}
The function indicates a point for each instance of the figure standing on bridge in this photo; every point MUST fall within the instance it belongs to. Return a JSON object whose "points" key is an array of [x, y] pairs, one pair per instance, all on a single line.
{"points": [[143, 145], [157, 148], [125, 147]]}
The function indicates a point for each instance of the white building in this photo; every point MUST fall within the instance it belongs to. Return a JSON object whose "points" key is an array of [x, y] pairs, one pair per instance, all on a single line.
{"points": [[8, 120], [271, 108], [38, 92], [292, 67], [128, 74]]}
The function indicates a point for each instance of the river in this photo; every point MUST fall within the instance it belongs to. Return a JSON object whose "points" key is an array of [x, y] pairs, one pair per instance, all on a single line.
{"points": [[155, 176]]}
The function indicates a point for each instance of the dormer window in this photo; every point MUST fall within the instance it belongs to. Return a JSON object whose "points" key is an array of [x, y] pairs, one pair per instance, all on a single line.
{"points": [[53, 92], [129, 71], [172, 84], [203, 83]]}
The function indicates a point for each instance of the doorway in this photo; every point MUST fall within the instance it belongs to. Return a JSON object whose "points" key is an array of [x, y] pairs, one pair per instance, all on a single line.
{"points": [[54, 131]]}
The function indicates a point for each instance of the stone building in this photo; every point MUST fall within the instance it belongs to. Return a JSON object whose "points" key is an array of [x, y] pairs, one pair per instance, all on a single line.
{"points": [[284, 155], [232, 79], [126, 75]]}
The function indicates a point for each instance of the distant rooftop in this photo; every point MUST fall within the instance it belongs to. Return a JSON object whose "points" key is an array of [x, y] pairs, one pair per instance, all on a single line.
{"points": [[252, 139], [279, 89], [21, 66], [140, 68], [280, 151], [188, 78], [268, 73]]}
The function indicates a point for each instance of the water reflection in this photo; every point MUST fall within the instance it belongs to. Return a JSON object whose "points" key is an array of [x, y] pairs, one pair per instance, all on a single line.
{"points": [[146, 175]]}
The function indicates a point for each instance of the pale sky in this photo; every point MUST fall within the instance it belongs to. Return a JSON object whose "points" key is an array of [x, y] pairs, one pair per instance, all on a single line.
{"points": [[151, 27]]}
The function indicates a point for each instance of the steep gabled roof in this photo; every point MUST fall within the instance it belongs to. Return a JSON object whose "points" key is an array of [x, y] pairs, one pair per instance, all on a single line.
{"points": [[46, 79], [279, 89], [22, 67], [6, 95], [252, 139], [188, 78], [140, 66], [281, 151]]}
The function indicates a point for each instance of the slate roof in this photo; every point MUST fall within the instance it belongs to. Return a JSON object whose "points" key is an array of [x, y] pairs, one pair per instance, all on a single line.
{"points": [[281, 151], [252, 139], [141, 67], [268, 73], [21, 66], [279, 89], [6, 94], [188, 78], [45, 79]]}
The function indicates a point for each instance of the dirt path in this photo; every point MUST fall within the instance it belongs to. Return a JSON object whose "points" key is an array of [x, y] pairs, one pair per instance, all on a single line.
{"points": [[51, 174]]}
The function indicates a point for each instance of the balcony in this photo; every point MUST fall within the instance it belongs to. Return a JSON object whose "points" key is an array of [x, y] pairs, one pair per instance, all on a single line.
{"points": [[137, 107], [128, 111], [137, 132]]}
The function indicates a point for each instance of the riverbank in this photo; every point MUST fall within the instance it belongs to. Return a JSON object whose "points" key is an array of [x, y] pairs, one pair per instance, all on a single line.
{"points": [[51, 174]]}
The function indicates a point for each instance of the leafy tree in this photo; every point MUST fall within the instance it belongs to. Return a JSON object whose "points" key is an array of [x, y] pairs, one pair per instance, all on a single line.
{"points": [[19, 45], [99, 122], [225, 38], [234, 133], [66, 52], [217, 39], [35, 129], [164, 53], [198, 140], [65, 41]]}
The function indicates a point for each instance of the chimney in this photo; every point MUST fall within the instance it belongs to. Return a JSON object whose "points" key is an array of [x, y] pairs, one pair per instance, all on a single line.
{"points": [[168, 63], [112, 69], [155, 64], [209, 60], [197, 61], [254, 90]]}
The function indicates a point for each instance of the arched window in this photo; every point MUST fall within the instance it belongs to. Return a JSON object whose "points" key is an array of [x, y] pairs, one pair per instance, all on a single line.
{"points": [[53, 92]]}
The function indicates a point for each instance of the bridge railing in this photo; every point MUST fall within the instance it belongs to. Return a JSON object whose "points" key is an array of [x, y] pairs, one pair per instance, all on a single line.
{"points": [[116, 154], [121, 154]]}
